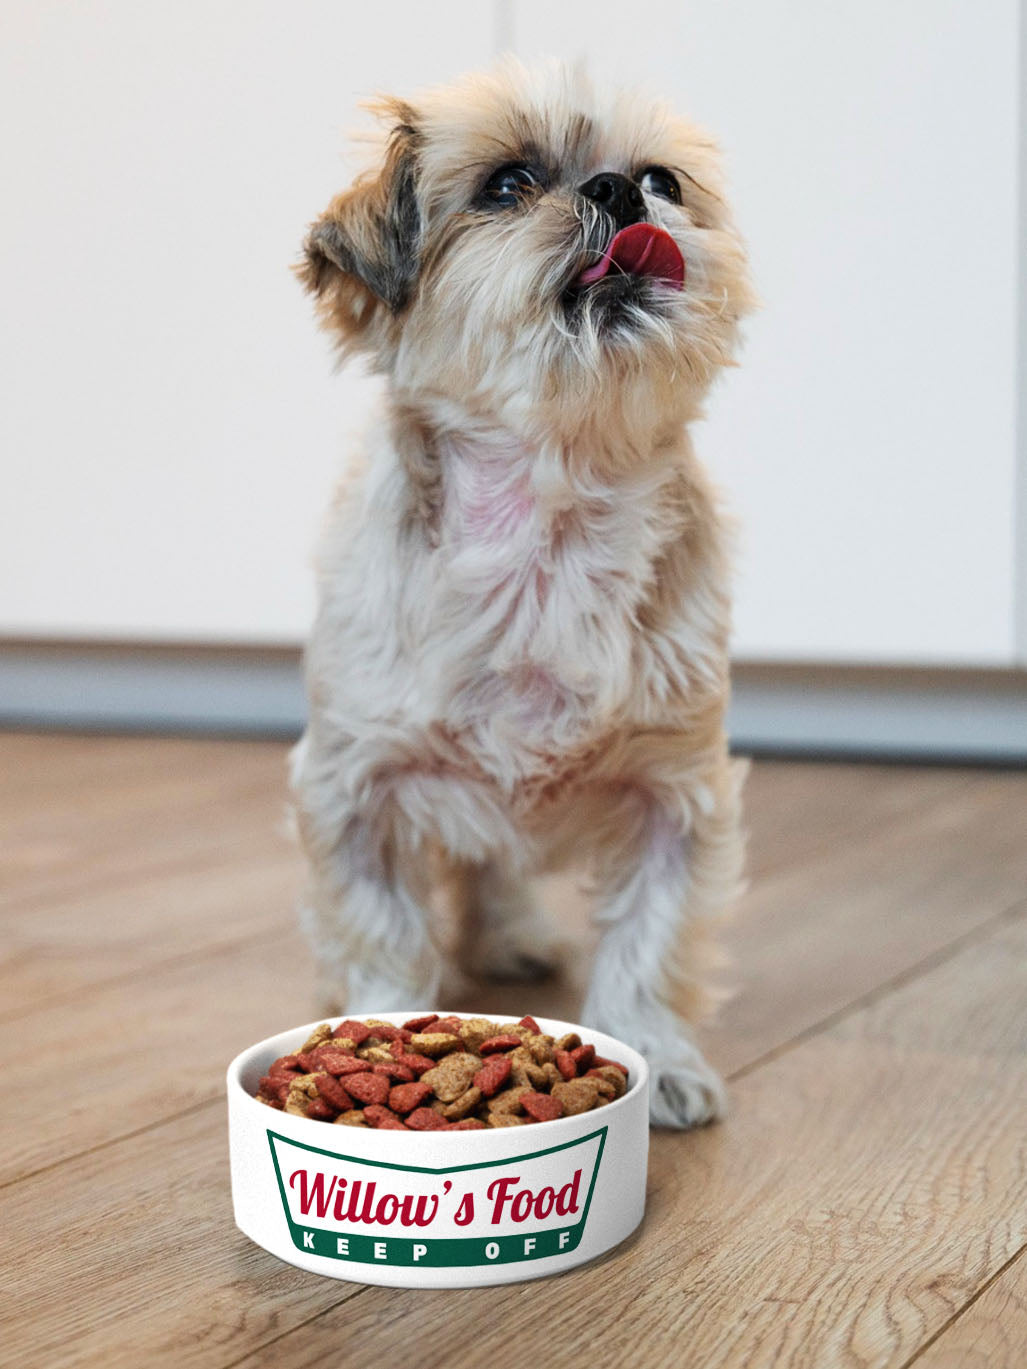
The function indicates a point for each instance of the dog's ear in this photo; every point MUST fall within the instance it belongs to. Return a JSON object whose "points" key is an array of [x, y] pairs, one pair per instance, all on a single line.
{"points": [[361, 256]]}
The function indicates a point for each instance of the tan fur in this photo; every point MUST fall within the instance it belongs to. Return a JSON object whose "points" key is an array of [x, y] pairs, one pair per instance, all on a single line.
{"points": [[520, 656]]}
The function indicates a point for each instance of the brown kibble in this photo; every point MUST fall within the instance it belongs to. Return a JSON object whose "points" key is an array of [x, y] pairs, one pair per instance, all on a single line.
{"points": [[376, 1055], [576, 1095], [452, 1075], [353, 1118], [319, 1034], [613, 1075], [475, 1030], [507, 1101], [460, 1107], [440, 1073], [434, 1044], [302, 1089]]}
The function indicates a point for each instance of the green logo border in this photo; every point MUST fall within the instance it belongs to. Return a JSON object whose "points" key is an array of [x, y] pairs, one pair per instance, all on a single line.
{"points": [[442, 1251]]}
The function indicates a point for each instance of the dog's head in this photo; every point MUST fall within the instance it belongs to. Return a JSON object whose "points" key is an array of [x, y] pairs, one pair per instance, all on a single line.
{"points": [[524, 246]]}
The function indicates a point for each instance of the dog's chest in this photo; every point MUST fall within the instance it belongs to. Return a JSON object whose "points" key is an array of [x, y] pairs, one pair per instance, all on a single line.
{"points": [[538, 582]]}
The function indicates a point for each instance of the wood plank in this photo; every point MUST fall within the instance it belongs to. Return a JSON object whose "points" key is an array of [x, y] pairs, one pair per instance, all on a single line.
{"points": [[83, 941], [140, 1051], [130, 1257], [171, 802], [817, 935], [991, 1333], [797, 812], [188, 1016], [867, 1184]]}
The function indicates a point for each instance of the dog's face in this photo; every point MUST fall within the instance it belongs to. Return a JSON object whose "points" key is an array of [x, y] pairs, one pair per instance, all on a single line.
{"points": [[527, 248]]}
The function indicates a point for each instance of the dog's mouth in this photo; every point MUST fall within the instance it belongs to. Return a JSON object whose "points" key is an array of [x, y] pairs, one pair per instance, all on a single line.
{"points": [[641, 249]]}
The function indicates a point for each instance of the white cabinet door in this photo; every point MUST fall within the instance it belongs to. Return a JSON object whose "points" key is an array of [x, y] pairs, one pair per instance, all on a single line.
{"points": [[868, 441], [170, 426]]}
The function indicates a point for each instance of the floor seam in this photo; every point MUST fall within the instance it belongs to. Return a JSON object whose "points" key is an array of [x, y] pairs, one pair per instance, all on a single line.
{"points": [[955, 1317], [941, 956]]}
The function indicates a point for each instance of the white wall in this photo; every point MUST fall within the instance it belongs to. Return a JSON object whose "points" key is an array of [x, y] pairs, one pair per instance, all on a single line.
{"points": [[169, 415], [869, 440]]}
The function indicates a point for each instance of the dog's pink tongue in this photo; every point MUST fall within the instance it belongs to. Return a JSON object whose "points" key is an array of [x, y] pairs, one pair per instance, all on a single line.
{"points": [[641, 249]]}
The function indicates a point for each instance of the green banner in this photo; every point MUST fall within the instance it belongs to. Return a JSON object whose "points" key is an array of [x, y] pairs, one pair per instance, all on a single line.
{"points": [[514, 1222]]}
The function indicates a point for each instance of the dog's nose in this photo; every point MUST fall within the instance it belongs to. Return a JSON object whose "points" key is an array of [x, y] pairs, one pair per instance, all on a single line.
{"points": [[619, 196]]}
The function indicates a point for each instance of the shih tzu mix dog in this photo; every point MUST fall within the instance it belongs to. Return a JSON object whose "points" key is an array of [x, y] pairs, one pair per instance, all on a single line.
{"points": [[520, 655]]}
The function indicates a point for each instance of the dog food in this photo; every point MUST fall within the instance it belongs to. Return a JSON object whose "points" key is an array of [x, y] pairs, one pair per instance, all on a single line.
{"points": [[440, 1074]]}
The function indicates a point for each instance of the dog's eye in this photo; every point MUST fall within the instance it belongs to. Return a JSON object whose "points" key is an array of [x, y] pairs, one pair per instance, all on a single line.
{"points": [[657, 180], [509, 186]]}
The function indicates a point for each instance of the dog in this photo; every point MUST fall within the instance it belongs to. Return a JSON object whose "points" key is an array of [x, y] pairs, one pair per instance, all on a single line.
{"points": [[519, 659]]}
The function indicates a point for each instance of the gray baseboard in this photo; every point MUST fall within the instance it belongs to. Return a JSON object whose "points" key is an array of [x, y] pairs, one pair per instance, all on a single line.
{"points": [[788, 710]]}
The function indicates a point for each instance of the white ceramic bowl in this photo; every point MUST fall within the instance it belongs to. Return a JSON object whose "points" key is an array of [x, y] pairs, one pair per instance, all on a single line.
{"points": [[437, 1209]]}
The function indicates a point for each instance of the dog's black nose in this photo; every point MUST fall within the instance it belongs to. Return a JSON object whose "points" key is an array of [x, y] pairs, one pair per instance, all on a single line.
{"points": [[619, 196]]}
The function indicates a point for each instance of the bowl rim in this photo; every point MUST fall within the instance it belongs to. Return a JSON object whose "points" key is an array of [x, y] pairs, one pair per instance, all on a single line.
{"points": [[637, 1064]]}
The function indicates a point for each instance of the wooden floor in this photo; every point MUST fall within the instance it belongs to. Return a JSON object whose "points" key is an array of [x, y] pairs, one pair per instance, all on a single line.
{"points": [[865, 1204]]}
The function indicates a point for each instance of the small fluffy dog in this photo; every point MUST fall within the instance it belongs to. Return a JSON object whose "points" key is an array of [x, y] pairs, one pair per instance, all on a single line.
{"points": [[520, 655]]}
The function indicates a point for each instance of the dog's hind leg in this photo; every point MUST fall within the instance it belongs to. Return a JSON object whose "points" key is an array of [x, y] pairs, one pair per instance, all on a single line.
{"points": [[507, 935]]}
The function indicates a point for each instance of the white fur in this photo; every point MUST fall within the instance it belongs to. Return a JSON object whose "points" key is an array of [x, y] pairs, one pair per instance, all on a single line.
{"points": [[520, 652]]}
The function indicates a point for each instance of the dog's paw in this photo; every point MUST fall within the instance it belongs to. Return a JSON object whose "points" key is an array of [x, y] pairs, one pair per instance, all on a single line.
{"points": [[685, 1093]]}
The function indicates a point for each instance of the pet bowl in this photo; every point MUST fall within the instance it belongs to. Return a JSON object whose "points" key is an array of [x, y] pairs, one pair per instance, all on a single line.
{"points": [[437, 1209]]}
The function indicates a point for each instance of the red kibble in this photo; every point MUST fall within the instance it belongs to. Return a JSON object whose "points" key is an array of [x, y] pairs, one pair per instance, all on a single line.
{"points": [[543, 1107], [336, 1062], [493, 1075], [426, 1119], [276, 1086], [368, 1088], [418, 1063], [332, 1092], [506, 1042], [566, 1064], [601, 1060], [320, 1111], [385, 1032], [418, 1024], [531, 1025], [286, 1062], [399, 1073], [356, 1031], [406, 1097], [451, 1025], [382, 1119], [583, 1056]]}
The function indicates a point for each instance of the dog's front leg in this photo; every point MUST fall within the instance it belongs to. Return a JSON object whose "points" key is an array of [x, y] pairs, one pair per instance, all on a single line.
{"points": [[658, 882], [365, 916]]}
